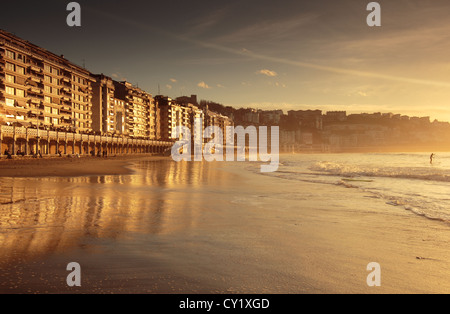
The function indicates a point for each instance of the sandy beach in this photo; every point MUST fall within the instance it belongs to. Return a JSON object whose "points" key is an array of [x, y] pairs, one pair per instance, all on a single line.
{"points": [[70, 166], [212, 228]]}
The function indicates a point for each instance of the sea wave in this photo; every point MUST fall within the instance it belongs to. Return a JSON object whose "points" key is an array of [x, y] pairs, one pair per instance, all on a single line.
{"points": [[402, 181], [352, 171]]}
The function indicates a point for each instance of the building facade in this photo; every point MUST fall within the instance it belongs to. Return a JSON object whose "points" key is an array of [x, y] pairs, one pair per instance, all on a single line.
{"points": [[140, 111], [41, 89], [50, 105]]}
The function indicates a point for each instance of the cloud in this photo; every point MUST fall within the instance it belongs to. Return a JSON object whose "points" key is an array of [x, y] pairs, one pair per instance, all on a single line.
{"points": [[277, 84], [169, 86], [205, 22], [220, 86], [267, 73], [269, 29], [285, 28], [173, 80], [118, 76], [203, 85], [363, 94]]}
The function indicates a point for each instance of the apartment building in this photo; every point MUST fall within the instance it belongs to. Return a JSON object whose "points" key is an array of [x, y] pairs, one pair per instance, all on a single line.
{"points": [[39, 88], [50, 105], [175, 113], [140, 110], [109, 112], [170, 115], [221, 121]]}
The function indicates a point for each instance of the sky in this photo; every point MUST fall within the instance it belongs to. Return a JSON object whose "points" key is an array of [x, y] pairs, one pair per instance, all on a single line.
{"points": [[289, 55]]}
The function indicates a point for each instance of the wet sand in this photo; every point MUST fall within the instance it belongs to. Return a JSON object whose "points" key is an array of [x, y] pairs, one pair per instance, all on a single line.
{"points": [[69, 166], [213, 228]]}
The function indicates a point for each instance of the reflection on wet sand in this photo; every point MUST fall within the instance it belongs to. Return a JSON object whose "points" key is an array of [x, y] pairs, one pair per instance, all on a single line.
{"points": [[47, 215]]}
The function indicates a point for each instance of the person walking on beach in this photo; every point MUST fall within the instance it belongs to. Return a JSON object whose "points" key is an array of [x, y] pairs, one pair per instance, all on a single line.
{"points": [[431, 159]]}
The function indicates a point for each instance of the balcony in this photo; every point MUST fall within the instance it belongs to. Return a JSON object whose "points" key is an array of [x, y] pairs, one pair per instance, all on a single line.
{"points": [[66, 108], [36, 79], [66, 119], [36, 101], [34, 90], [35, 68]]}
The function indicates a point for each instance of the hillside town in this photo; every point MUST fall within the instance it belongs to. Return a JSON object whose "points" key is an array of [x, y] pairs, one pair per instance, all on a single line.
{"points": [[338, 131]]}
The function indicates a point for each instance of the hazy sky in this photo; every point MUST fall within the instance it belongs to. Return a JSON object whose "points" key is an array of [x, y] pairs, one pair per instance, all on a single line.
{"points": [[267, 54]]}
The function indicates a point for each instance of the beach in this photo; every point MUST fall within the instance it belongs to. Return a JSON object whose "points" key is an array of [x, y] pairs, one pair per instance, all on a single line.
{"points": [[193, 227], [69, 166]]}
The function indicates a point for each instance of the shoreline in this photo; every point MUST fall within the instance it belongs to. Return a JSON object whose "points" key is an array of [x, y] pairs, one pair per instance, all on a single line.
{"points": [[297, 238], [92, 166], [71, 166]]}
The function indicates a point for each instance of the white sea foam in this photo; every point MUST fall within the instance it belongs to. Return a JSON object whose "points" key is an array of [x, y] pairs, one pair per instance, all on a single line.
{"points": [[420, 173], [403, 180]]}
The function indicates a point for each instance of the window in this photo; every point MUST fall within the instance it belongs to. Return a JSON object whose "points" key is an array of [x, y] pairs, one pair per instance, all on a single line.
{"points": [[55, 111], [9, 102], [20, 92], [55, 121], [10, 66], [9, 90], [10, 54], [48, 120], [10, 78], [20, 70], [47, 89], [47, 99], [48, 109], [47, 68], [47, 79]]}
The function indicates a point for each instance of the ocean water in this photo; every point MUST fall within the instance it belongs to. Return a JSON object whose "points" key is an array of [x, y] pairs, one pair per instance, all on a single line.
{"points": [[404, 180]]}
